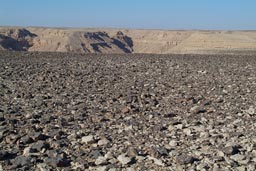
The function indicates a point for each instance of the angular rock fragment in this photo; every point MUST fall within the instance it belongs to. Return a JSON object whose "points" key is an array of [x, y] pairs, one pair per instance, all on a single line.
{"points": [[124, 160], [184, 159], [88, 139]]}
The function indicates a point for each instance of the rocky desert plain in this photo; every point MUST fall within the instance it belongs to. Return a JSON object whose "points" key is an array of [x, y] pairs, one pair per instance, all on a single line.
{"points": [[127, 100]]}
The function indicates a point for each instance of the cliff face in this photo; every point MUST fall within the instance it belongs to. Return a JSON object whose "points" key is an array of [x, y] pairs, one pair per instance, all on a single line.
{"points": [[94, 41], [125, 41], [16, 39]]}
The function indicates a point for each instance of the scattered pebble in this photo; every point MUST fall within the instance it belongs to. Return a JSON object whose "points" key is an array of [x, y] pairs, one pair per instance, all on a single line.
{"points": [[184, 159], [88, 139], [124, 159]]}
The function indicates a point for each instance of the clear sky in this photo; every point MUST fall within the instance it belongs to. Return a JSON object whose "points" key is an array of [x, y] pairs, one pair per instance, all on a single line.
{"points": [[147, 14]]}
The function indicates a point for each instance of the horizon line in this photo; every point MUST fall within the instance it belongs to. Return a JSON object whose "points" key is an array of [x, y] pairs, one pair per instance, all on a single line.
{"points": [[124, 28]]}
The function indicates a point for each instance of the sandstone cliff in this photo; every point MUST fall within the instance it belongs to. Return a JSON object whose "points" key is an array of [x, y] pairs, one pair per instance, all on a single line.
{"points": [[125, 41]]}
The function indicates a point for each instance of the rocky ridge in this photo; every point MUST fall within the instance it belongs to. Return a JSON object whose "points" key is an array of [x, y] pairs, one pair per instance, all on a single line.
{"points": [[79, 42], [126, 41]]}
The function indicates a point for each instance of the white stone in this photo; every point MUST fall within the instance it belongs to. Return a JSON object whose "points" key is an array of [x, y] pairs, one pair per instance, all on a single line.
{"points": [[112, 169], [251, 167], [216, 167], [201, 166], [220, 153], [77, 166], [195, 109], [123, 159], [241, 168], [179, 126], [251, 111], [102, 168], [108, 155], [140, 158], [88, 139], [27, 151], [101, 160], [103, 141], [170, 128], [128, 128], [157, 161], [130, 169], [42, 167], [204, 134], [225, 91], [237, 157], [173, 143], [187, 131]]}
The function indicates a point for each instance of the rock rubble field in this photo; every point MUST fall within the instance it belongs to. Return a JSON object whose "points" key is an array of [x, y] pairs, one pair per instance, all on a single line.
{"points": [[63, 111]]}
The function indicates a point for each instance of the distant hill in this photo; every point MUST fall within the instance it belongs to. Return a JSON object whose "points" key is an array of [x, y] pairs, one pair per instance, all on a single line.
{"points": [[125, 41]]}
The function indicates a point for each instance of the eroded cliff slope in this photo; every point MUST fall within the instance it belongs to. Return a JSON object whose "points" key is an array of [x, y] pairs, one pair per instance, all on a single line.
{"points": [[125, 41]]}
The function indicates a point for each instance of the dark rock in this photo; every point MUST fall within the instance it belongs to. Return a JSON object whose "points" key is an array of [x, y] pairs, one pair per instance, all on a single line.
{"points": [[153, 152], [95, 154], [184, 159], [38, 146], [56, 134], [230, 150], [132, 152], [2, 118], [170, 115], [21, 161], [58, 162], [3, 130], [62, 162], [39, 136], [162, 151], [5, 155], [26, 140]]}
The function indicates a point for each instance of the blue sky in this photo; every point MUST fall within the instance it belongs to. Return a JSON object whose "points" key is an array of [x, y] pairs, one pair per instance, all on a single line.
{"points": [[147, 14]]}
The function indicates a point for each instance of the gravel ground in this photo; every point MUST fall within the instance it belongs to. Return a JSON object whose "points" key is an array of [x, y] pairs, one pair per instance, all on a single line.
{"points": [[61, 111]]}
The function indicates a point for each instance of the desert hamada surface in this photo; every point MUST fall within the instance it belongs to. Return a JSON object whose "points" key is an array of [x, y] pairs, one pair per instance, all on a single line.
{"points": [[104, 40], [127, 112]]}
